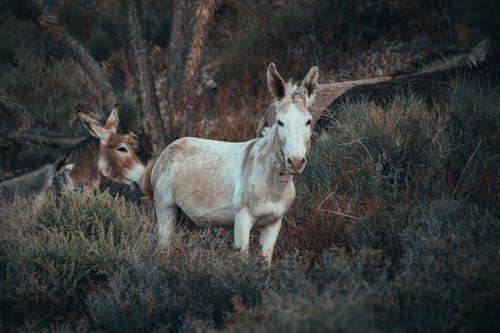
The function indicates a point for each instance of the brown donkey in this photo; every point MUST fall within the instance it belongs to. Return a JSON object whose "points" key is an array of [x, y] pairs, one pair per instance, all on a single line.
{"points": [[105, 153]]}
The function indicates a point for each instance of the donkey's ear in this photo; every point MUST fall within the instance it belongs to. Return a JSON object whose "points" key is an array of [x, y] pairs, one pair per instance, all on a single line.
{"points": [[310, 82], [112, 121], [99, 131], [275, 82], [69, 167], [59, 163]]}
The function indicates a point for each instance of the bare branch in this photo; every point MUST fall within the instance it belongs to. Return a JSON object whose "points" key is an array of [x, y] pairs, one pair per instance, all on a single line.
{"points": [[80, 54], [40, 138]]}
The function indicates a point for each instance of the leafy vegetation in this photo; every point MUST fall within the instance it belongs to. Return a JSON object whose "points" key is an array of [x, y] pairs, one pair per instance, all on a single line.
{"points": [[395, 226], [384, 236]]}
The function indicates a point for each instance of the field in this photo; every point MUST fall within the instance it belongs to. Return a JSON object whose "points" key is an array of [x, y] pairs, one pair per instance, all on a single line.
{"points": [[395, 227]]}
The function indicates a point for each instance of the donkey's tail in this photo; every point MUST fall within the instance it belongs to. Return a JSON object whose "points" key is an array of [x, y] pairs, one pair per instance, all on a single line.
{"points": [[146, 187], [448, 59]]}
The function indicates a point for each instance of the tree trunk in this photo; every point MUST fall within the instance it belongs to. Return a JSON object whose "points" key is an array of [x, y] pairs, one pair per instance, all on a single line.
{"points": [[81, 55], [186, 45], [154, 129]]}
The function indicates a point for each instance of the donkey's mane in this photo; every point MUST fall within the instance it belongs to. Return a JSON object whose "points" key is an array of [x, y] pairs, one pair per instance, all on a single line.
{"points": [[88, 144], [290, 88]]}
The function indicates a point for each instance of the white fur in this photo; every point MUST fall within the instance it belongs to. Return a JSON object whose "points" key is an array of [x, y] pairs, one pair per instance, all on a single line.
{"points": [[135, 175]]}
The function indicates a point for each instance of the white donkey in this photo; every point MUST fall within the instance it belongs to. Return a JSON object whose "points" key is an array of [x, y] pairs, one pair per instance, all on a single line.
{"points": [[238, 183]]}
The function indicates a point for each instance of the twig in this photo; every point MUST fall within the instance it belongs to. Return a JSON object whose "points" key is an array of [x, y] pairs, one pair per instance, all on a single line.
{"points": [[358, 141], [332, 211], [466, 165]]}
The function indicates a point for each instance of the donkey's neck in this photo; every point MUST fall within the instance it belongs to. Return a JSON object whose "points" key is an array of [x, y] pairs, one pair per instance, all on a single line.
{"points": [[85, 157], [272, 162]]}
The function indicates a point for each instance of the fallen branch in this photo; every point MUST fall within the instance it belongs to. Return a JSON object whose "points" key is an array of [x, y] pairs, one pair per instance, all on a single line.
{"points": [[39, 138]]}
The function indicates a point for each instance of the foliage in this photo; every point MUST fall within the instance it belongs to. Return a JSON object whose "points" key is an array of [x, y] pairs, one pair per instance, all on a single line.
{"points": [[157, 20], [59, 248], [129, 107], [104, 37], [411, 252], [45, 89], [199, 278], [395, 227], [72, 17]]}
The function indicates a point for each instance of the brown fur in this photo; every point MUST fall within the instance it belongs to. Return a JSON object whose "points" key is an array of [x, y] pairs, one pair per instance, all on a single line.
{"points": [[85, 156], [105, 154], [146, 187]]}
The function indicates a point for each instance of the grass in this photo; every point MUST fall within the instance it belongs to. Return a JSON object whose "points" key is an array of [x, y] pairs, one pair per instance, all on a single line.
{"points": [[390, 232]]}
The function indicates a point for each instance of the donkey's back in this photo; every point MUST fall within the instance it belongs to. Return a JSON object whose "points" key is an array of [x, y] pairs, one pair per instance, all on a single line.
{"points": [[202, 175], [50, 177]]}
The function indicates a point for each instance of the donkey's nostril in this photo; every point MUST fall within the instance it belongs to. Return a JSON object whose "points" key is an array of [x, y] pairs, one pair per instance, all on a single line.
{"points": [[297, 163]]}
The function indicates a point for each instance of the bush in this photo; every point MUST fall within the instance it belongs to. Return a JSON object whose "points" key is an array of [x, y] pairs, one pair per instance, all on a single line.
{"points": [[447, 281], [157, 22], [104, 37], [72, 17], [59, 249], [130, 111], [474, 122], [44, 88], [200, 278]]}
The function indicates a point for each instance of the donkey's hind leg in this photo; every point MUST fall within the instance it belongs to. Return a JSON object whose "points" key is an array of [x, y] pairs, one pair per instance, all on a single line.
{"points": [[166, 214]]}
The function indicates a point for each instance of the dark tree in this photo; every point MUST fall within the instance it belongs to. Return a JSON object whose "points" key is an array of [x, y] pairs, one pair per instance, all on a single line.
{"points": [[154, 129], [80, 54], [187, 41]]}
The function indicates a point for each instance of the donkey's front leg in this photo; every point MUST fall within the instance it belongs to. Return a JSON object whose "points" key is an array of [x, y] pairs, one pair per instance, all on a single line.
{"points": [[243, 222], [268, 237]]}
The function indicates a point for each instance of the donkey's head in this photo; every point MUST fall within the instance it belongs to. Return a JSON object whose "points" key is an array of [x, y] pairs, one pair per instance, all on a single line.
{"points": [[116, 159], [293, 119]]}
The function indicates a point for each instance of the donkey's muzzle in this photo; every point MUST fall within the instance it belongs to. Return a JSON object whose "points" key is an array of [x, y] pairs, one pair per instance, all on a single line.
{"points": [[295, 165]]}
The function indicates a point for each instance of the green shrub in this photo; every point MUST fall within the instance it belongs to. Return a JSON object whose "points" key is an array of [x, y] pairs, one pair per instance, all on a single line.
{"points": [[44, 88], [307, 311], [130, 112], [447, 280], [157, 23], [199, 278], [73, 18], [104, 37], [258, 30], [59, 249], [474, 123]]}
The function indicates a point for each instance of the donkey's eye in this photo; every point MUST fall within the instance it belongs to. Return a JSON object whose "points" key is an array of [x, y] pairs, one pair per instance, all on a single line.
{"points": [[280, 123], [122, 149], [308, 122]]}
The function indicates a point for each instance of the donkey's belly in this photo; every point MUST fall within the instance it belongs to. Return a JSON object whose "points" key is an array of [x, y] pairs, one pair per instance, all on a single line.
{"points": [[222, 216]]}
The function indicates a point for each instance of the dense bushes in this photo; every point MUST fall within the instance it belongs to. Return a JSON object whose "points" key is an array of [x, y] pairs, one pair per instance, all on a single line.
{"points": [[389, 233], [54, 251], [200, 278]]}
